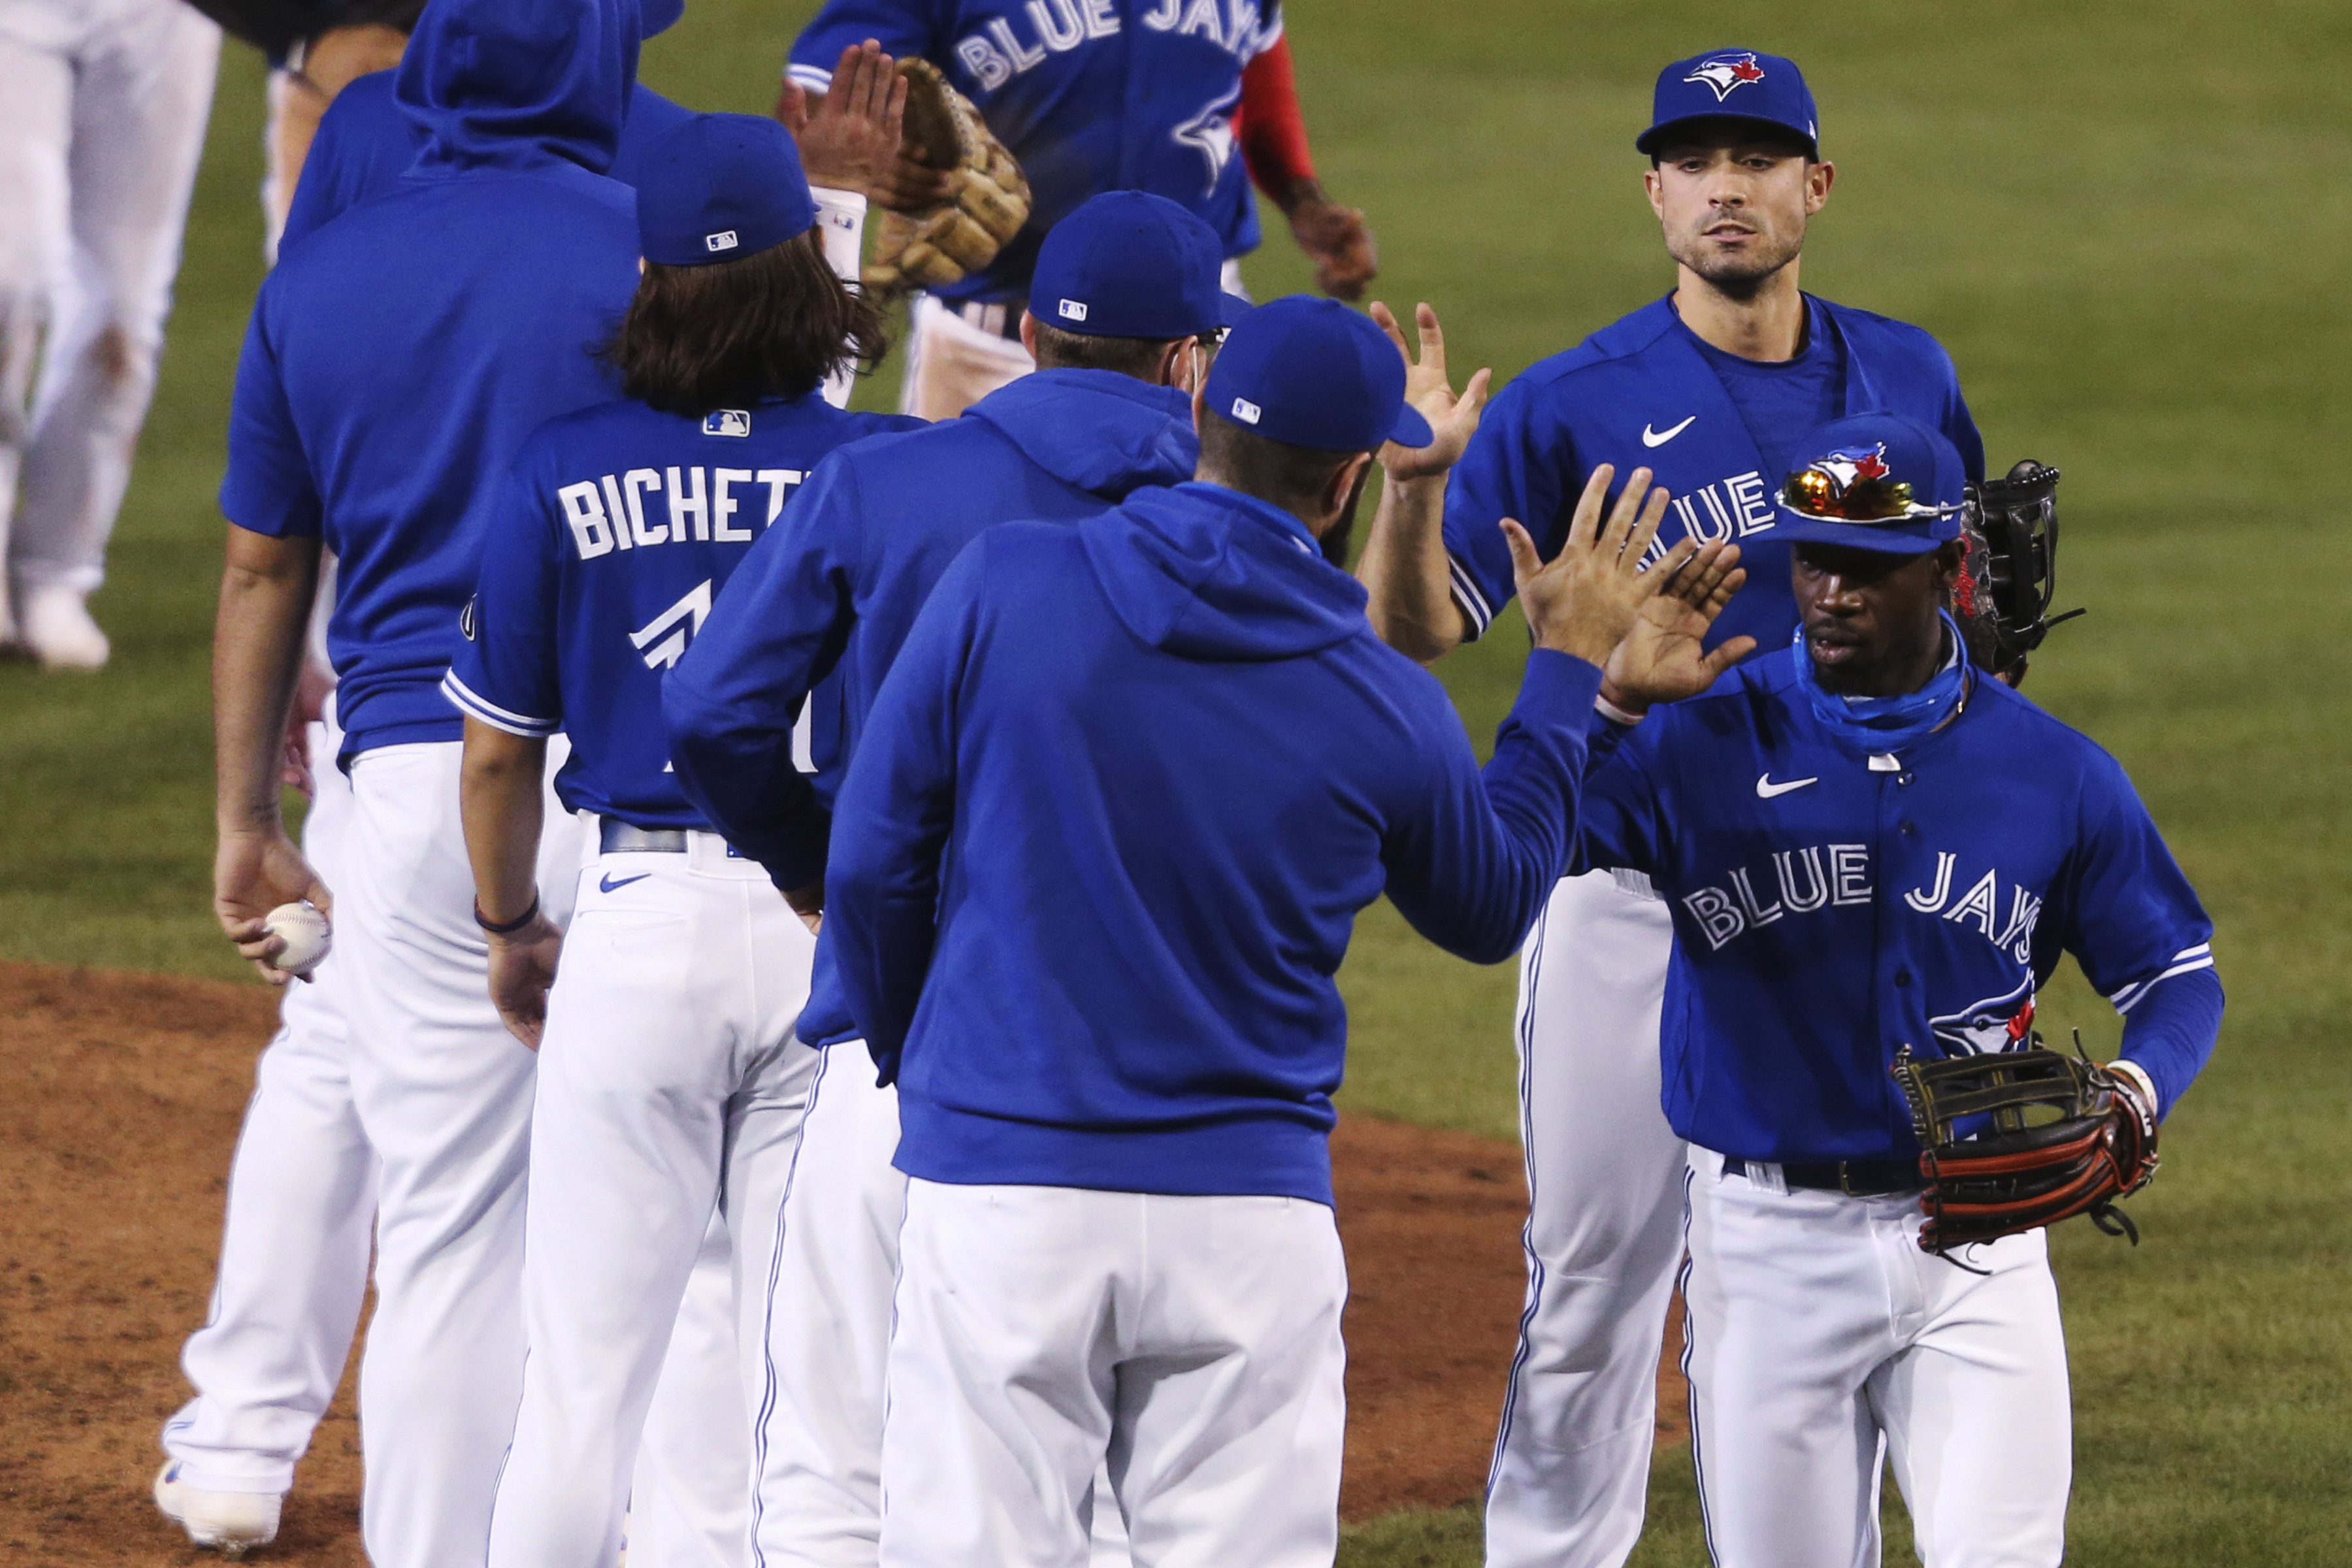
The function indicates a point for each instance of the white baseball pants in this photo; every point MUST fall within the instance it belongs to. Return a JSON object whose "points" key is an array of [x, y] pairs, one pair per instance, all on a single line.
{"points": [[669, 1085], [445, 1094], [690, 1494], [1823, 1343], [1572, 1468], [101, 125], [1191, 1342], [294, 1242]]}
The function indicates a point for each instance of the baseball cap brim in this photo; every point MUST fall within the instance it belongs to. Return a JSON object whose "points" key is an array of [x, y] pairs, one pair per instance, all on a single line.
{"points": [[1232, 308], [1656, 136], [1411, 429], [1885, 539]]}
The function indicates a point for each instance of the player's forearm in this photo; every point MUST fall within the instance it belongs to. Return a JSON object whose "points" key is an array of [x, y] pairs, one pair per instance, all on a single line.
{"points": [[499, 801], [266, 585], [2170, 1032], [1404, 571]]}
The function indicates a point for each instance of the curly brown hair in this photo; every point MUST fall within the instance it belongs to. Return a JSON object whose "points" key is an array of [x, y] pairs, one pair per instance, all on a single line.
{"points": [[775, 323]]}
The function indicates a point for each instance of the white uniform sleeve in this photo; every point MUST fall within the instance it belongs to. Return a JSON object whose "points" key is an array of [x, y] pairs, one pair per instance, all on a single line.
{"points": [[841, 223]]}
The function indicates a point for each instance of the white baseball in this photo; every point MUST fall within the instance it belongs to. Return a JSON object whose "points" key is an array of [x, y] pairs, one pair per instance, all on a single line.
{"points": [[307, 936]]}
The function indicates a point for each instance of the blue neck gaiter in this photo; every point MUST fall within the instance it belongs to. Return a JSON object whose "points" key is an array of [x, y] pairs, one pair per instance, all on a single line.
{"points": [[1888, 723]]}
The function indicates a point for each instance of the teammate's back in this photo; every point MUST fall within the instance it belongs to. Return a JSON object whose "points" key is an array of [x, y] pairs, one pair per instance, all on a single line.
{"points": [[415, 341]]}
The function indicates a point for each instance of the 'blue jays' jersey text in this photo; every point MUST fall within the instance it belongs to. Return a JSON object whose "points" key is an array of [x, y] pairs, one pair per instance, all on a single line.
{"points": [[1833, 906], [620, 526], [1645, 393], [1089, 94]]}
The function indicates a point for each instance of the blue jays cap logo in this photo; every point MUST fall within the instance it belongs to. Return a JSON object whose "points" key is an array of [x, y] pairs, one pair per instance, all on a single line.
{"points": [[1726, 72]]}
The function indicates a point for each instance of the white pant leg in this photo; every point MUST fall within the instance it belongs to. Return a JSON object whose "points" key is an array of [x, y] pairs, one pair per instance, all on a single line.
{"points": [[672, 1010], [1192, 1342], [1821, 1340], [143, 91], [827, 1326], [445, 1094], [1978, 1409], [35, 242], [952, 364], [1571, 1466], [690, 1494], [294, 1245]]}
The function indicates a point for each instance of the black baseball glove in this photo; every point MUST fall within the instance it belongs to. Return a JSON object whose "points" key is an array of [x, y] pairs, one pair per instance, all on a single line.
{"points": [[2010, 571]]}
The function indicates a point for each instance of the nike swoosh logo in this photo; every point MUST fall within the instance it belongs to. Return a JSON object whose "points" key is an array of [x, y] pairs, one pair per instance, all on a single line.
{"points": [[1659, 438], [607, 884], [1766, 789]]}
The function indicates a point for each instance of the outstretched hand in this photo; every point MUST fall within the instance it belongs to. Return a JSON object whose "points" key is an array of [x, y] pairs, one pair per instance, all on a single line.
{"points": [[1585, 599], [850, 137], [1453, 418], [1663, 658]]}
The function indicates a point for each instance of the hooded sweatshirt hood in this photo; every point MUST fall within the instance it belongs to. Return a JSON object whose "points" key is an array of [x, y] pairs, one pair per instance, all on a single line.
{"points": [[517, 84], [1096, 430], [1208, 573]]}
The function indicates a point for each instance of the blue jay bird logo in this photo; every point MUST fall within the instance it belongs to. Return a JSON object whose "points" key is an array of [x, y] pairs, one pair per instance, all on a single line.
{"points": [[1728, 73], [2002, 1023]]}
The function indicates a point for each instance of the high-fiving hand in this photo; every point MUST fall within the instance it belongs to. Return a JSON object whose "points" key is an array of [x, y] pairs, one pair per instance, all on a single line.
{"points": [[850, 137], [1663, 658], [1453, 418], [1585, 599]]}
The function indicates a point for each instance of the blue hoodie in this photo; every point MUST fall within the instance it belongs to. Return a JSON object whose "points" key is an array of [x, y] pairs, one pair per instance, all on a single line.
{"points": [[823, 600], [397, 358], [1097, 861]]}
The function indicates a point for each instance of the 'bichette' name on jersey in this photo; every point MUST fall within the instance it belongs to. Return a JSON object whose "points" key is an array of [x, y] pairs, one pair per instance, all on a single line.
{"points": [[620, 526]]}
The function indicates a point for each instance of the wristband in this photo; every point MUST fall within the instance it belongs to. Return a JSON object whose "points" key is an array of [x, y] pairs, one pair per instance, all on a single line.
{"points": [[507, 928], [1614, 714]]}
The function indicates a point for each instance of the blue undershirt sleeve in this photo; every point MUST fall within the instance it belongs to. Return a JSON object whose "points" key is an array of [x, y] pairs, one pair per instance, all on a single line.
{"points": [[903, 28], [1618, 822], [1471, 868], [2170, 1031], [894, 813], [729, 705]]}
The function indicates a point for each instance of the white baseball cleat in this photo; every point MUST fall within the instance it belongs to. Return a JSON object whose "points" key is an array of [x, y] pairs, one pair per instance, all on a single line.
{"points": [[55, 624], [228, 1521]]}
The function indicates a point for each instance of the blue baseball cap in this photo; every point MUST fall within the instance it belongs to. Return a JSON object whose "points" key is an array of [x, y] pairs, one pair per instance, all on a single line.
{"points": [[718, 187], [1313, 372], [656, 16], [1873, 481], [1732, 84], [1127, 264]]}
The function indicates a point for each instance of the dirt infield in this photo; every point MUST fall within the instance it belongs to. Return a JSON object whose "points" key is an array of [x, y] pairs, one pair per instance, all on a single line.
{"points": [[120, 1098]]}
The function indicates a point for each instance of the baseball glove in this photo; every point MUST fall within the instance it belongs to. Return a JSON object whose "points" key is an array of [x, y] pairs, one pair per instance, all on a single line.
{"points": [[2010, 571], [2018, 1139], [943, 242]]}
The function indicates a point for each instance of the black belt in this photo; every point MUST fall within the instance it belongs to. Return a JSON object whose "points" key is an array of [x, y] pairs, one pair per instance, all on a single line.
{"points": [[1002, 318], [1855, 1178], [618, 837]]}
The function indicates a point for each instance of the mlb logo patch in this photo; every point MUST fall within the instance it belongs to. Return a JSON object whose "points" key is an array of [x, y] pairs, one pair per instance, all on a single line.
{"points": [[723, 240], [1246, 411], [727, 422], [1074, 310]]}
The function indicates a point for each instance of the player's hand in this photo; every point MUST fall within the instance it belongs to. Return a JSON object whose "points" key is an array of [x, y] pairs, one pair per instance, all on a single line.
{"points": [[808, 902], [522, 967], [1453, 418], [1663, 658], [849, 137], [1585, 599], [254, 871], [1335, 238]]}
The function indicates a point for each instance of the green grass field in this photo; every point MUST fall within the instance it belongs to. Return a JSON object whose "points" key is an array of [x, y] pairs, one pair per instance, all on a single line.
{"points": [[2128, 224]]}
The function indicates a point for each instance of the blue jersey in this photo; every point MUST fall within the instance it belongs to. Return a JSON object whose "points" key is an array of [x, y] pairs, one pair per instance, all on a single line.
{"points": [[1089, 94], [1117, 807], [1833, 906], [364, 143], [621, 525], [1646, 391], [821, 609], [397, 358]]}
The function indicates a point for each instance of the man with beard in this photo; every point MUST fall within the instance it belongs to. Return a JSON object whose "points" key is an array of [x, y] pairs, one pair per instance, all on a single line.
{"points": [[1705, 392]]}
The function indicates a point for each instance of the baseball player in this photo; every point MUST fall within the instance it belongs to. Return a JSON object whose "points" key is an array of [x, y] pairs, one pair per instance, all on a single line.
{"points": [[815, 617], [1151, 95], [1873, 852], [1705, 390], [668, 1078], [396, 360], [1094, 869], [100, 127]]}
